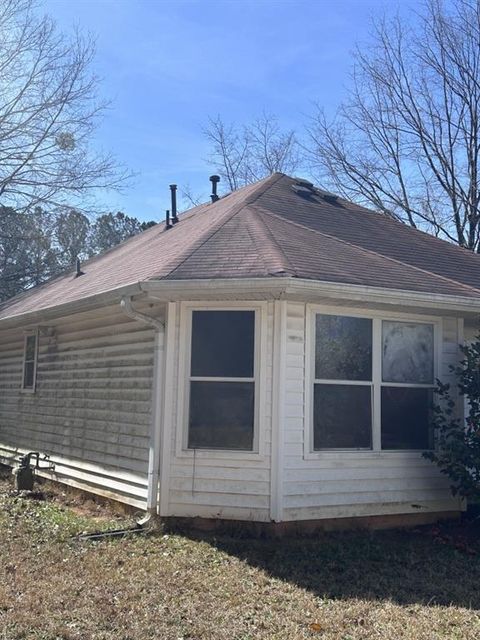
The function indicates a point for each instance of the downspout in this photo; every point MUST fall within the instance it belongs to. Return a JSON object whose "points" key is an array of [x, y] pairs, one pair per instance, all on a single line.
{"points": [[156, 424]]}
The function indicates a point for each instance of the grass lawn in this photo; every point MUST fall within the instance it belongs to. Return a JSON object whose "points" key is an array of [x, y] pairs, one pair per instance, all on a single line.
{"points": [[387, 585]]}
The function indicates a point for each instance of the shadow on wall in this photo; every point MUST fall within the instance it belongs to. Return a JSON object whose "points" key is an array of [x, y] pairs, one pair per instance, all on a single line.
{"points": [[420, 566]]}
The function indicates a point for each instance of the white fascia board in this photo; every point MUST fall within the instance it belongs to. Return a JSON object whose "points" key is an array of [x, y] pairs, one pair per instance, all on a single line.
{"points": [[269, 288], [68, 308], [309, 290]]}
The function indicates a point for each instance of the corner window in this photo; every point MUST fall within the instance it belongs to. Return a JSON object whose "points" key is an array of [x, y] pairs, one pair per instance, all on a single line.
{"points": [[30, 350], [222, 380], [372, 376]]}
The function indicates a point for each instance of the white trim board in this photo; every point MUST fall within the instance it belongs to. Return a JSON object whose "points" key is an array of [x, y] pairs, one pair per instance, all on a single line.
{"points": [[184, 350]]}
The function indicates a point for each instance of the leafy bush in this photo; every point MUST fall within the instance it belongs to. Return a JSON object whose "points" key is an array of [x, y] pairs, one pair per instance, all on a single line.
{"points": [[458, 438]]}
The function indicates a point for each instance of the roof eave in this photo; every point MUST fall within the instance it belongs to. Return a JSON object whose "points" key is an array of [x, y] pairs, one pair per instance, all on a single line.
{"points": [[265, 288], [88, 303], [303, 289]]}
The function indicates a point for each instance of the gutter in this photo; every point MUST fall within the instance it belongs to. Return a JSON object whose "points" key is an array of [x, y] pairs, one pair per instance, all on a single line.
{"points": [[157, 396], [301, 288], [265, 288], [51, 313]]}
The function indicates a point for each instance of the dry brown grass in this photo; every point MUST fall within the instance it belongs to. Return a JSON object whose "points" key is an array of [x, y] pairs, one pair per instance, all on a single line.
{"points": [[349, 586]]}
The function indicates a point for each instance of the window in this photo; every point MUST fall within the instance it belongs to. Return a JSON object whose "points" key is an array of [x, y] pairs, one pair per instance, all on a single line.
{"points": [[30, 361], [373, 383], [222, 380], [406, 399], [343, 383]]}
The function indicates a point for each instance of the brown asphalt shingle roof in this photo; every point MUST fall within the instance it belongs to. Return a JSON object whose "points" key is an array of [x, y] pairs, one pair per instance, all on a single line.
{"points": [[268, 229]]}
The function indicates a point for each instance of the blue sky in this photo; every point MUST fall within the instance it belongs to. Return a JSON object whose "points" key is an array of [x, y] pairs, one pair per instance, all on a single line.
{"points": [[169, 65]]}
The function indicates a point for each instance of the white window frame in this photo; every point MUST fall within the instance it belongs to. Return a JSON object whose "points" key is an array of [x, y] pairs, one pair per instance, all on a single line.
{"points": [[184, 378], [28, 334], [377, 317]]}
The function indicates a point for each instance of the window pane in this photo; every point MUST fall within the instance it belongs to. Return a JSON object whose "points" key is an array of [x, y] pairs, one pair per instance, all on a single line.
{"points": [[223, 343], [221, 415], [406, 415], [342, 416], [28, 375], [343, 348], [30, 347], [407, 354]]}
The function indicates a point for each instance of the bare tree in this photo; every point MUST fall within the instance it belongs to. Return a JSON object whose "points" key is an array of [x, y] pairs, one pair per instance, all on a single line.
{"points": [[244, 154], [189, 197], [407, 141], [48, 112]]}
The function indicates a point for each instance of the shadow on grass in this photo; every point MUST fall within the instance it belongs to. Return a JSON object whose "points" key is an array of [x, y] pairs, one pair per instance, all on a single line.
{"points": [[405, 567]]}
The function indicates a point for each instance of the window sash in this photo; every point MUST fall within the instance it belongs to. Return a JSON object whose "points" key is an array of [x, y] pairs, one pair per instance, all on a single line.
{"points": [[28, 362], [214, 379], [376, 382], [356, 384]]}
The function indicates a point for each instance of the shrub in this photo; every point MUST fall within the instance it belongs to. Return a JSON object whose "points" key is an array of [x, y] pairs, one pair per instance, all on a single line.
{"points": [[458, 438]]}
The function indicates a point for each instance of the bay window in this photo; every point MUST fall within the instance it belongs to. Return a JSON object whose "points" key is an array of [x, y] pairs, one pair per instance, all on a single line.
{"points": [[222, 380], [373, 383]]}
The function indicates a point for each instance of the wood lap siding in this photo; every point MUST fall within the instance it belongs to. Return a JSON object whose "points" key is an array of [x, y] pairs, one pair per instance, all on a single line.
{"points": [[348, 484], [223, 486], [91, 411]]}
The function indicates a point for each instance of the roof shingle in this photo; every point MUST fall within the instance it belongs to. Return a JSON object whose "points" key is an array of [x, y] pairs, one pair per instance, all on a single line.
{"points": [[267, 229]]}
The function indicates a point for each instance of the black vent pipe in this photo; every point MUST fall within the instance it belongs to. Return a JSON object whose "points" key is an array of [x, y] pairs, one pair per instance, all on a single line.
{"points": [[78, 269], [168, 224], [214, 180], [173, 190]]}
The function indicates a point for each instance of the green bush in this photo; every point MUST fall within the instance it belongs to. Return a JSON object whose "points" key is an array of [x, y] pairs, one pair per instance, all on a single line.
{"points": [[457, 451]]}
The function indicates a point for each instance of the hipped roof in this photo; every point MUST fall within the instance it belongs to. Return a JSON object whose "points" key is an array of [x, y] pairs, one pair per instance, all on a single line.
{"points": [[271, 228]]}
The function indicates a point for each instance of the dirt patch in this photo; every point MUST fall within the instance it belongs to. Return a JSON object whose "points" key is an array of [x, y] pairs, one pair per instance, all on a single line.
{"points": [[79, 502]]}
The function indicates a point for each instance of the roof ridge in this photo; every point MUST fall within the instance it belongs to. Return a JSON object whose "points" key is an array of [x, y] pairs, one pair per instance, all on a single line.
{"points": [[281, 255], [259, 189], [368, 251]]}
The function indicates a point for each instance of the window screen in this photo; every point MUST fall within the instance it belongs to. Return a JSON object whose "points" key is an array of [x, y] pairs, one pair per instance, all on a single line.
{"points": [[222, 380], [406, 418], [221, 415], [343, 348], [407, 354], [342, 410], [342, 417], [407, 381], [223, 343]]}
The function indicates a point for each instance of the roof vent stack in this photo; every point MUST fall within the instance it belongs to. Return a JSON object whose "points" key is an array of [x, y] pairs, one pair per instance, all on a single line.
{"points": [[173, 191], [214, 180], [168, 224], [78, 270]]}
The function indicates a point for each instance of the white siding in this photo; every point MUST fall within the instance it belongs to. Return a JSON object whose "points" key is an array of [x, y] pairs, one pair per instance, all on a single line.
{"points": [[224, 484], [336, 484], [92, 408], [92, 414]]}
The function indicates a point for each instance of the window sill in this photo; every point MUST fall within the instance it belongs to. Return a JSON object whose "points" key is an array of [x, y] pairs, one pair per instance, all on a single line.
{"points": [[409, 454], [220, 454], [28, 392]]}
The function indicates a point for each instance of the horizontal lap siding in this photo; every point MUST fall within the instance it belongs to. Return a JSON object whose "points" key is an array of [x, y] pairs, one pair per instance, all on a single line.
{"points": [[223, 486], [92, 408], [353, 484]]}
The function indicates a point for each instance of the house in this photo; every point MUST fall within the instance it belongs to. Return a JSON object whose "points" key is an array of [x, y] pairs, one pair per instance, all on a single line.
{"points": [[269, 356]]}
